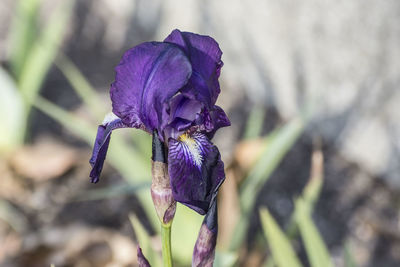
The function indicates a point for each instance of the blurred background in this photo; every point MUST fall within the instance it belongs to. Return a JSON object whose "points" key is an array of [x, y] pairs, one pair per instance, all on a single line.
{"points": [[312, 157]]}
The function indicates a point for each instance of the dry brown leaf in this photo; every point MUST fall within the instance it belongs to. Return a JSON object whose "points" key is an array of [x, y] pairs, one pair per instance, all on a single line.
{"points": [[254, 258], [78, 245], [247, 152], [228, 208], [10, 244], [44, 160], [10, 187]]}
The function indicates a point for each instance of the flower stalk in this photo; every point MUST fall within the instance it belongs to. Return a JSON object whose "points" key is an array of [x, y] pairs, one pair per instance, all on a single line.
{"points": [[166, 244]]}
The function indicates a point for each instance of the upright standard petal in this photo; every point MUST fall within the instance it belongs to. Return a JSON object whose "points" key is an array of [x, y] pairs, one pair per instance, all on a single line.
{"points": [[205, 56], [101, 146], [195, 169], [182, 107], [181, 113], [148, 76]]}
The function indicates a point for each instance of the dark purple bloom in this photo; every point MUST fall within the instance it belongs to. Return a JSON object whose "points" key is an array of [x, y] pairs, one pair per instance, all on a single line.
{"points": [[171, 87]]}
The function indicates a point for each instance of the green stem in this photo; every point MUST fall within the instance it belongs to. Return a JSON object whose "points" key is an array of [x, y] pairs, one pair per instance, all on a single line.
{"points": [[166, 244]]}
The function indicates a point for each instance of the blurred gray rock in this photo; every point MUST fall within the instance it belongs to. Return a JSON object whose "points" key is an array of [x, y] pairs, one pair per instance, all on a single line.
{"points": [[341, 58]]}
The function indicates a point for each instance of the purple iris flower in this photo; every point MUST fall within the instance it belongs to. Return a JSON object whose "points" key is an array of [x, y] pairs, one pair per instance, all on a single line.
{"points": [[170, 88]]}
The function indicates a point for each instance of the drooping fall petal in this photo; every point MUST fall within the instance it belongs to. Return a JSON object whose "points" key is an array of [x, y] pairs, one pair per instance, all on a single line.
{"points": [[101, 146], [195, 169]]}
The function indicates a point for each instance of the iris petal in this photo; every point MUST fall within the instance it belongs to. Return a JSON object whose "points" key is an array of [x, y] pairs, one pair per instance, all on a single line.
{"points": [[184, 108], [180, 115], [195, 169], [101, 146], [205, 55], [148, 76], [218, 119]]}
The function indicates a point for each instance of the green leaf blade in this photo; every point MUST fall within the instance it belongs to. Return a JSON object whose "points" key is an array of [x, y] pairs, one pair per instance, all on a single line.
{"points": [[43, 52], [11, 114], [23, 32], [185, 228], [145, 242], [81, 86], [277, 144], [281, 249], [316, 249]]}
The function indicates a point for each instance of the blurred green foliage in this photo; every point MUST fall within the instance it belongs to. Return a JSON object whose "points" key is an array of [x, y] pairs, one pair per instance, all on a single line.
{"points": [[280, 243], [32, 54], [12, 113], [145, 242], [276, 145], [23, 33], [281, 249]]}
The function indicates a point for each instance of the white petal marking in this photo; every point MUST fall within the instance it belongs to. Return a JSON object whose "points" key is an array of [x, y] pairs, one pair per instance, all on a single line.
{"points": [[109, 118], [191, 147]]}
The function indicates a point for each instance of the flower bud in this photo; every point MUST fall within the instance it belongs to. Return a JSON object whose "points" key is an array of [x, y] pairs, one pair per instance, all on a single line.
{"points": [[142, 261], [204, 249], [161, 191]]}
